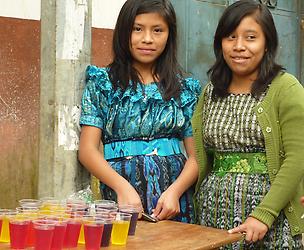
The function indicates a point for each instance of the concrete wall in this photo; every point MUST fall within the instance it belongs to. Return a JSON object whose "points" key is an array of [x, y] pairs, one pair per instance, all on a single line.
{"points": [[19, 107]]}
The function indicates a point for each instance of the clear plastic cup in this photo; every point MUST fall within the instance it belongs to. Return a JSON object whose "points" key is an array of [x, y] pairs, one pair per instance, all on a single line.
{"points": [[120, 228], [72, 231], [59, 232], [44, 231], [5, 233], [30, 203], [1, 218], [19, 229], [93, 231], [108, 219], [32, 214], [78, 208], [105, 204], [52, 204], [135, 211]]}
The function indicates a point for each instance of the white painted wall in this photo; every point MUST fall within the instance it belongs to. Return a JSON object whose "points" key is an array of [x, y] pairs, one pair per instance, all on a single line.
{"points": [[104, 12], [25, 9]]}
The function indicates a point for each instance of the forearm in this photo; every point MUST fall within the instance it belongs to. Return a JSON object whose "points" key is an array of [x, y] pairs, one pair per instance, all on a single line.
{"points": [[94, 162], [187, 177]]}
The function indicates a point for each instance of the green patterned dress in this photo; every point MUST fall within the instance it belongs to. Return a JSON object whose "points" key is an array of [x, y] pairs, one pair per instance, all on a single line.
{"points": [[239, 179]]}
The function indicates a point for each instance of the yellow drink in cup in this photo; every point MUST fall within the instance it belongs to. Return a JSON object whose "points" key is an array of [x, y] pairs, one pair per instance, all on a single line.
{"points": [[81, 235], [5, 234], [120, 228]]}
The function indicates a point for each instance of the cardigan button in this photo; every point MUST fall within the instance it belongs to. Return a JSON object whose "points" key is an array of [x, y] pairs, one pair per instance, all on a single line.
{"points": [[260, 110], [275, 171], [268, 129], [290, 209], [297, 229]]}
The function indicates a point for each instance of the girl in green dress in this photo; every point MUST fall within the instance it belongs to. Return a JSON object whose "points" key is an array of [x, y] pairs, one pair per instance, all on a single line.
{"points": [[248, 130]]}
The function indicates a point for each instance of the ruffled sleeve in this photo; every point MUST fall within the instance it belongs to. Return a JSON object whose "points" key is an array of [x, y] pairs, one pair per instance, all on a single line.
{"points": [[95, 98], [189, 97]]}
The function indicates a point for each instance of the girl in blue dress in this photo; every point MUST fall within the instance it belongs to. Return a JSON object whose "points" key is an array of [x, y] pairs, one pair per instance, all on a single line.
{"points": [[140, 107]]}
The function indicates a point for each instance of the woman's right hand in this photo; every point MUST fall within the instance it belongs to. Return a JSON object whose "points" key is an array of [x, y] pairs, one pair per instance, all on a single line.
{"points": [[127, 195]]}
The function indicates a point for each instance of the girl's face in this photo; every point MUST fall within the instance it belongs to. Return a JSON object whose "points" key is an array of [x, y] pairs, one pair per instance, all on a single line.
{"points": [[148, 39], [244, 49]]}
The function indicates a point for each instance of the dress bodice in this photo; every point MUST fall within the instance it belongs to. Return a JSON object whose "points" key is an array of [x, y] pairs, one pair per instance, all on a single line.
{"points": [[136, 114]]}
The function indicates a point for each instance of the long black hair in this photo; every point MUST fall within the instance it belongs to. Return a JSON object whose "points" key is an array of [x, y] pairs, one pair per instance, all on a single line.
{"points": [[220, 74], [166, 69]]}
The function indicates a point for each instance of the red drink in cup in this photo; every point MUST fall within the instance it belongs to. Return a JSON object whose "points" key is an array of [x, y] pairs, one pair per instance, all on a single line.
{"points": [[59, 234], [31, 235], [1, 218], [32, 214], [18, 232], [107, 227], [93, 230], [72, 232], [44, 230]]}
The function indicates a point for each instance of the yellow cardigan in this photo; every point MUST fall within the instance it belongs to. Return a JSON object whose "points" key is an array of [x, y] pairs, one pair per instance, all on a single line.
{"points": [[281, 117]]}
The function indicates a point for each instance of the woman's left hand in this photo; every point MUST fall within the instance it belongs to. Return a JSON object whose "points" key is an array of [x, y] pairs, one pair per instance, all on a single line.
{"points": [[167, 206], [254, 229]]}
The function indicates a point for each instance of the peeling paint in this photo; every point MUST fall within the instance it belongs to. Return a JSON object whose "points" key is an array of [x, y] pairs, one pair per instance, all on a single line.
{"points": [[70, 29], [68, 127]]}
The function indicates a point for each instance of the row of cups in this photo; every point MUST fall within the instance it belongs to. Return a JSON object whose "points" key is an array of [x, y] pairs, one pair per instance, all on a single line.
{"points": [[52, 224]]}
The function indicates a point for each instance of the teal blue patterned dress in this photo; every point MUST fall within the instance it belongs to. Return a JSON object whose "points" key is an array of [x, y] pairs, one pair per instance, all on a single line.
{"points": [[141, 134]]}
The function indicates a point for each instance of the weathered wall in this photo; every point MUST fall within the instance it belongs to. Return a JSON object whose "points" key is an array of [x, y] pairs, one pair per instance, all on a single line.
{"points": [[19, 108]]}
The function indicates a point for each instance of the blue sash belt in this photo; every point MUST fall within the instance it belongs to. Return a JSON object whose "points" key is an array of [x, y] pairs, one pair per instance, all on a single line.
{"points": [[160, 146]]}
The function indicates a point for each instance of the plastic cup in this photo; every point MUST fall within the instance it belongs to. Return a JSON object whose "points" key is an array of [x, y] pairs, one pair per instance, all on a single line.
{"points": [[72, 231], [52, 205], [75, 202], [105, 204], [120, 228], [79, 208], [59, 233], [32, 214], [5, 235], [44, 230], [135, 211], [19, 228], [30, 203], [1, 217], [93, 230], [107, 228]]}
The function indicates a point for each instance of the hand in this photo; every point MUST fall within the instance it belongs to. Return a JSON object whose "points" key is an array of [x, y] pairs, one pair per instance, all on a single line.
{"points": [[167, 205], [254, 229], [302, 200], [128, 196]]}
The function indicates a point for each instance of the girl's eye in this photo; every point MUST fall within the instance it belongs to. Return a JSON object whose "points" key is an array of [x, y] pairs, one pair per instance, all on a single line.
{"points": [[231, 37], [251, 37], [157, 30], [137, 29]]}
